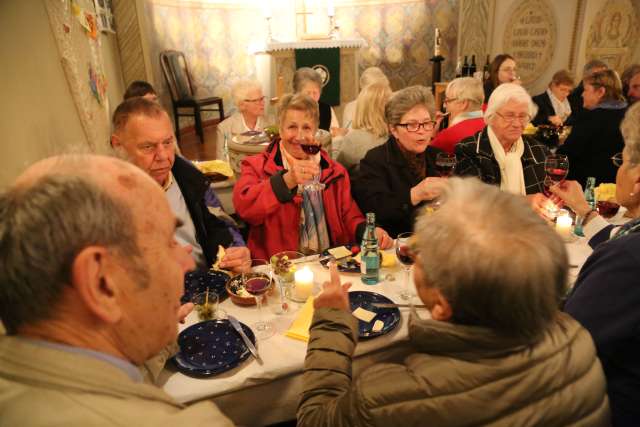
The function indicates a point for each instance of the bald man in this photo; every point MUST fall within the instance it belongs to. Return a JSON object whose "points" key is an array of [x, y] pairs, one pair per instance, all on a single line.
{"points": [[142, 131], [90, 284]]}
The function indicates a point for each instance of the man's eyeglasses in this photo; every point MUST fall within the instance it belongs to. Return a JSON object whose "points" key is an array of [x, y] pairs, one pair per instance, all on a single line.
{"points": [[617, 159], [512, 118], [414, 126], [255, 99]]}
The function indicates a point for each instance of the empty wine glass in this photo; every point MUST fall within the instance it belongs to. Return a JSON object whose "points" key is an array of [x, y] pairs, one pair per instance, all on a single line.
{"points": [[405, 256], [445, 164], [257, 282]]}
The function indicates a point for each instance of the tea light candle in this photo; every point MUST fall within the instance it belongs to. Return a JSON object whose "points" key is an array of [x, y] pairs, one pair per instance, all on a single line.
{"points": [[304, 284], [564, 224]]}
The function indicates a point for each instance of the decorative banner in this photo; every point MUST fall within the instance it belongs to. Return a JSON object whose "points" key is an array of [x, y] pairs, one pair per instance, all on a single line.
{"points": [[530, 37], [327, 63]]}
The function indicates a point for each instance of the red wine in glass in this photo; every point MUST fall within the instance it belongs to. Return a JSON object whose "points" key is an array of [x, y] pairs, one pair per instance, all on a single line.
{"points": [[445, 170], [557, 174], [310, 148], [257, 285], [607, 209], [403, 252], [556, 167]]}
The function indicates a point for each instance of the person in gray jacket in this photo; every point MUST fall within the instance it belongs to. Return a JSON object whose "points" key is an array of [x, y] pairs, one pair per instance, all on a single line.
{"points": [[496, 350]]}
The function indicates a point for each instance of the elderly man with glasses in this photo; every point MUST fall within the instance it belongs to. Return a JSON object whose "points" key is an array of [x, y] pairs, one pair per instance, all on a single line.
{"points": [[500, 154], [398, 177]]}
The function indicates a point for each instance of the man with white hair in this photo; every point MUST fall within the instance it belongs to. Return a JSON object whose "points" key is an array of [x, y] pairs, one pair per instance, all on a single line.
{"points": [[463, 99], [500, 154], [90, 284], [496, 350], [248, 97]]}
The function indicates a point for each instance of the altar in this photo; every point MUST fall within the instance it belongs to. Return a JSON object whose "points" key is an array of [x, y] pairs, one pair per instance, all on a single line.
{"points": [[276, 64]]}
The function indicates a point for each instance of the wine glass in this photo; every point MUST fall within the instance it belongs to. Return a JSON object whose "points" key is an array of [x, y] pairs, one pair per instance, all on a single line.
{"points": [[556, 166], [445, 164], [257, 282], [311, 148], [405, 256]]}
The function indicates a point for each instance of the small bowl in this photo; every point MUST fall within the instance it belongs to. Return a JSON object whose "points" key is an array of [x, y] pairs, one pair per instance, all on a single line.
{"points": [[282, 265], [239, 295]]}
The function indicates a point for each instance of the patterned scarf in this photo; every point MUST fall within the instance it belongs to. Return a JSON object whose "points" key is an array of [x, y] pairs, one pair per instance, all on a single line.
{"points": [[314, 234], [416, 162], [628, 228]]}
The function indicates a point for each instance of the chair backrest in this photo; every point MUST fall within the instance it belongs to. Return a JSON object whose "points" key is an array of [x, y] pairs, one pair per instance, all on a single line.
{"points": [[176, 74]]}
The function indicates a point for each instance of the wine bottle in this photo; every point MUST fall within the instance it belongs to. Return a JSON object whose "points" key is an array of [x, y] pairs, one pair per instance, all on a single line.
{"points": [[465, 67], [486, 70], [472, 67], [369, 253]]}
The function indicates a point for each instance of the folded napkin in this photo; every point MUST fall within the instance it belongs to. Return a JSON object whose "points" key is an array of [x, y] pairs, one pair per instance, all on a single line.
{"points": [[215, 166], [605, 192], [299, 329]]}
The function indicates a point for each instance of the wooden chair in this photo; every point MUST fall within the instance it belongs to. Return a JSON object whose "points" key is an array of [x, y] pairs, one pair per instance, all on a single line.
{"points": [[178, 78]]}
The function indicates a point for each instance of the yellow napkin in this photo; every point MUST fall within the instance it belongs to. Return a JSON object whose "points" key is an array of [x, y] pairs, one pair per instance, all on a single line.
{"points": [[388, 259], [299, 329], [605, 192], [530, 129], [215, 166]]}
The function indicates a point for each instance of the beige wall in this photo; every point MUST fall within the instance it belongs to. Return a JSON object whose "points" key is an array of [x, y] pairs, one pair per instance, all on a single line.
{"points": [[37, 115]]}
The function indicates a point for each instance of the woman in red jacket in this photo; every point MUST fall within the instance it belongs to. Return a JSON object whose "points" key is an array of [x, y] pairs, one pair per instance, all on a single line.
{"points": [[273, 195]]}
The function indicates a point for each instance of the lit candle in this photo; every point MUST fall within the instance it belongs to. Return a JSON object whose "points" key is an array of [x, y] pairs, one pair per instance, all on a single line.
{"points": [[564, 224], [331, 10], [304, 284], [437, 43]]}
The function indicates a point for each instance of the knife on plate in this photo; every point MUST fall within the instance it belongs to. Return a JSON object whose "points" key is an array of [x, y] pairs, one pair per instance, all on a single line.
{"points": [[252, 348]]}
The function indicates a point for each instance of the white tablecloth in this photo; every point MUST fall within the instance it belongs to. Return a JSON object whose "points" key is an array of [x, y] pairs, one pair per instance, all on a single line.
{"points": [[272, 390]]}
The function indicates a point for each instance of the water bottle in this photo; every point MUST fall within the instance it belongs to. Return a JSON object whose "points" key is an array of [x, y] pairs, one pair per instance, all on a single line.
{"points": [[590, 197], [369, 253]]}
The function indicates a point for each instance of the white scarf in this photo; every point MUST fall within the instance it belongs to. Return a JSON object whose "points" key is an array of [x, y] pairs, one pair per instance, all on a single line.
{"points": [[512, 176], [562, 108]]}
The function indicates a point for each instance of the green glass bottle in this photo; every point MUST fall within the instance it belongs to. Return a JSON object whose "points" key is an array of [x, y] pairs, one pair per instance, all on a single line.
{"points": [[369, 253]]}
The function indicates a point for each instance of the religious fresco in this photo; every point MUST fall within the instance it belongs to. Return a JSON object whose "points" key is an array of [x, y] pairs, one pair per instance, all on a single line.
{"points": [[613, 33], [218, 40]]}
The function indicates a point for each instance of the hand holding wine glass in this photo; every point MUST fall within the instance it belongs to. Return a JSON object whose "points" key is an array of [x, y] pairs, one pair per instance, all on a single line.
{"points": [[445, 164], [300, 171], [556, 167]]}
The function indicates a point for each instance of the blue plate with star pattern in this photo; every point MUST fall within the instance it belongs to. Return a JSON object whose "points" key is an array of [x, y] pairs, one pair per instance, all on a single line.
{"points": [[210, 348], [390, 317], [198, 281]]}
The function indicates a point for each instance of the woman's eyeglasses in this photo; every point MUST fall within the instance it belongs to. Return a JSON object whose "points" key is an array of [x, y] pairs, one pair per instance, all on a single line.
{"points": [[617, 159], [512, 118], [414, 126]]}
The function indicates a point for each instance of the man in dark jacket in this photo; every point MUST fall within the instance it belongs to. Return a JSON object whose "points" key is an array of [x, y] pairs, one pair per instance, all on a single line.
{"points": [[143, 131]]}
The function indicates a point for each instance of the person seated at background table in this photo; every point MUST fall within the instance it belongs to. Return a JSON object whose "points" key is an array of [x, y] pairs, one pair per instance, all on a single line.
{"points": [[142, 132], [141, 88], [595, 135], [248, 97], [463, 99], [397, 178], [500, 154], [369, 76], [575, 98], [631, 83], [307, 81], [369, 127], [90, 290], [553, 105], [283, 213], [503, 69], [606, 295], [496, 350]]}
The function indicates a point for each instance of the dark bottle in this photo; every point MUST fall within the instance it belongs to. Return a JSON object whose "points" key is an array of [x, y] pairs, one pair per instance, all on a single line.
{"points": [[486, 70], [472, 68], [465, 67]]}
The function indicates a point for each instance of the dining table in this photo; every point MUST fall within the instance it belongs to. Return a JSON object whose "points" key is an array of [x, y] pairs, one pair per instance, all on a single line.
{"points": [[267, 391]]}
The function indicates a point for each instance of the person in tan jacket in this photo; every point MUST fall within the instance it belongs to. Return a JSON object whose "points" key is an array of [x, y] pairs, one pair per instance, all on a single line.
{"points": [[90, 285], [496, 351]]}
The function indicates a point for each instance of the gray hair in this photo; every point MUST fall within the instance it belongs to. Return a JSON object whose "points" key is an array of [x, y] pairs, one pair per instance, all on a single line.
{"points": [[404, 100], [241, 88], [467, 89], [43, 227], [372, 75], [304, 75], [494, 260], [630, 128], [508, 92], [592, 65]]}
